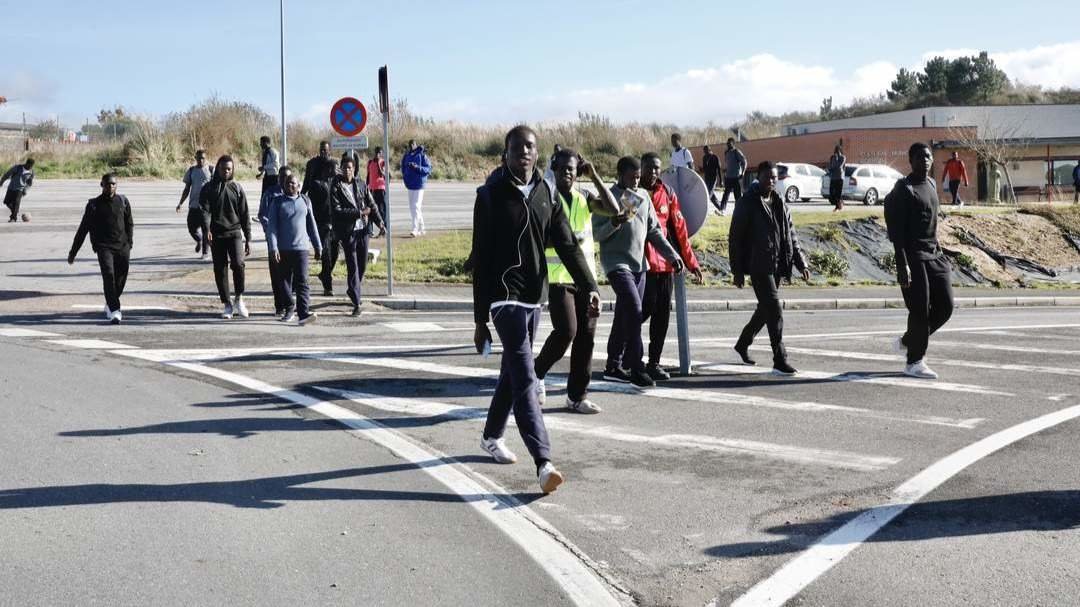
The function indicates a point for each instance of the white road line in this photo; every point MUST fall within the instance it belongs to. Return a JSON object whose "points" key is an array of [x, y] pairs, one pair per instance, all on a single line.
{"points": [[416, 327], [937, 361], [681, 394], [893, 332], [211, 355], [1001, 348], [797, 574], [861, 378], [834, 458], [90, 344], [126, 308], [15, 332], [564, 562]]}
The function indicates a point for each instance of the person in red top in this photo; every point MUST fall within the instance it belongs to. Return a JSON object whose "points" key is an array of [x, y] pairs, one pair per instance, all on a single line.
{"points": [[660, 277], [376, 181], [955, 172]]}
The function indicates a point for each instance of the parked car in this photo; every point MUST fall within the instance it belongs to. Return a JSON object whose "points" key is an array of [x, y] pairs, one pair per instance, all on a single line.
{"points": [[866, 182], [797, 180]]}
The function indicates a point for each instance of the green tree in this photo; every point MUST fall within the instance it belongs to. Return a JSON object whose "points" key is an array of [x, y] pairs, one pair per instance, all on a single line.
{"points": [[934, 79], [904, 86], [826, 110]]}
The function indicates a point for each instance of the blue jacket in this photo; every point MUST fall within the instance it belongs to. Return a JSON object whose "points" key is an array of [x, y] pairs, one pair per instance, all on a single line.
{"points": [[415, 178], [290, 224]]}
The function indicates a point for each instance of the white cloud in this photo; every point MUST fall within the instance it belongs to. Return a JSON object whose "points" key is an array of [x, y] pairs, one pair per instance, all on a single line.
{"points": [[1052, 66], [25, 93]]}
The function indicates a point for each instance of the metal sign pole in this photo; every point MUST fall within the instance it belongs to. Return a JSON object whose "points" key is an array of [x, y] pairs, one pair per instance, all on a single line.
{"points": [[384, 102], [284, 134], [683, 322]]}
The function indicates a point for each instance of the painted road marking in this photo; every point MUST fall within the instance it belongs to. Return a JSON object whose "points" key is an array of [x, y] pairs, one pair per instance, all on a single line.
{"points": [[797, 574], [90, 344], [417, 327], [571, 568], [893, 332], [943, 361], [1001, 348], [16, 332], [681, 394], [827, 457], [125, 308]]}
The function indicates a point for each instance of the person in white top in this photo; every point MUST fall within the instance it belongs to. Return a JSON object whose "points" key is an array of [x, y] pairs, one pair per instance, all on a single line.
{"points": [[680, 156]]}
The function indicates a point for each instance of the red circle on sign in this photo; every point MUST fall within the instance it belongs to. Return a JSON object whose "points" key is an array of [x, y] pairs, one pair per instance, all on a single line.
{"points": [[348, 116]]}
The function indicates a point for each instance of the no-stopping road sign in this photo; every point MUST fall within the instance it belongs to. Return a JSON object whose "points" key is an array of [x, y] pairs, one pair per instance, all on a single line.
{"points": [[348, 116]]}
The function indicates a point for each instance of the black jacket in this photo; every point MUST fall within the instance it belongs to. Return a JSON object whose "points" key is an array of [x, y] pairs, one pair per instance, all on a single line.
{"points": [[345, 212], [762, 239], [510, 234], [911, 217], [225, 208], [109, 224], [317, 175]]}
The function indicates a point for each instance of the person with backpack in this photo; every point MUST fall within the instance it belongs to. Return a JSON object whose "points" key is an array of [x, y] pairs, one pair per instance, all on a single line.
{"points": [[922, 269], [197, 175], [290, 232], [355, 215], [225, 206], [107, 219], [954, 174], [415, 169]]}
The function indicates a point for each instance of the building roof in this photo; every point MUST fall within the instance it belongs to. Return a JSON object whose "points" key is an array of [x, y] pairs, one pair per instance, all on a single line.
{"points": [[1011, 121]]}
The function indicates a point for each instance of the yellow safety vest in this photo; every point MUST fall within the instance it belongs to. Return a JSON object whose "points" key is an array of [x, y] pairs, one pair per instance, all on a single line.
{"points": [[581, 224]]}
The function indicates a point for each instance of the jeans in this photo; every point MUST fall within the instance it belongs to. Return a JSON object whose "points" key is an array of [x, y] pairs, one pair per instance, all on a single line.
{"points": [[929, 301], [767, 314], [656, 308], [516, 390], [331, 246], [954, 189], [199, 228], [380, 202], [416, 208], [355, 245], [732, 185], [294, 281], [624, 343], [114, 273], [571, 323], [228, 252], [277, 284]]}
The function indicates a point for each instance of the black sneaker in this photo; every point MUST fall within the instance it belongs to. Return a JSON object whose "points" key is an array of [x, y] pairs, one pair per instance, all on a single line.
{"points": [[657, 373], [744, 354], [355, 312], [782, 368], [617, 374], [641, 379], [327, 292]]}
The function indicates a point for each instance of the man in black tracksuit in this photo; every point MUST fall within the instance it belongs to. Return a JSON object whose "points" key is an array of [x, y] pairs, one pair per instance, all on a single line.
{"points": [[354, 214], [911, 213], [225, 206], [516, 216], [107, 219], [763, 244], [317, 175]]}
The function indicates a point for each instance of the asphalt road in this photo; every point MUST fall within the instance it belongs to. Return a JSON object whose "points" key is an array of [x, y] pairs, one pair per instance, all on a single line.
{"points": [[179, 458]]}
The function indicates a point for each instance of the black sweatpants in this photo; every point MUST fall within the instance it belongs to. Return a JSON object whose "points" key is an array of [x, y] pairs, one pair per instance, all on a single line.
{"points": [[836, 191], [954, 189], [294, 280], [355, 248], [929, 301], [732, 185], [114, 273], [380, 201], [570, 323], [656, 308], [228, 252], [268, 181], [767, 314], [199, 228], [12, 200], [331, 247]]}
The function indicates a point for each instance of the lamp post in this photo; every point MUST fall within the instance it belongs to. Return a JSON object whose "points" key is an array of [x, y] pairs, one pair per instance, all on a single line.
{"points": [[284, 135]]}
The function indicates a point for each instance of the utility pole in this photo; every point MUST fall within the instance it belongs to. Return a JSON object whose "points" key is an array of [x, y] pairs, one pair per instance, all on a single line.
{"points": [[284, 135]]}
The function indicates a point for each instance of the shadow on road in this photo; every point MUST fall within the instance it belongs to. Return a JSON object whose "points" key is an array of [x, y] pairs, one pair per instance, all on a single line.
{"points": [[1029, 511]]}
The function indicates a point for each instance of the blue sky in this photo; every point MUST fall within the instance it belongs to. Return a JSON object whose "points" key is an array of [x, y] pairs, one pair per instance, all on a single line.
{"points": [[498, 62]]}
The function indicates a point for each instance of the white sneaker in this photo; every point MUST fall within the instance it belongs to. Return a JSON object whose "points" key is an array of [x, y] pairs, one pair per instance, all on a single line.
{"points": [[108, 313], [227, 312], [117, 316], [541, 392], [584, 405], [898, 345], [288, 315], [920, 370], [496, 448], [550, 478], [205, 256], [241, 309]]}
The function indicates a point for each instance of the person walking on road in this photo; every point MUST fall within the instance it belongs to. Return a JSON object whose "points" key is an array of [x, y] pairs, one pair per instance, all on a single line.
{"points": [[415, 169], [107, 219], [317, 175], [268, 164], [837, 164], [572, 317], [515, 217], [762, 243], [622, 254], [954, 174], [277, 279], [923, 271], [376, 181], [660, 277], [290, 232], [710, 164], [225, 206], [197, 175], [355, 214], [734, 168], [22, 177], [680, 156]]}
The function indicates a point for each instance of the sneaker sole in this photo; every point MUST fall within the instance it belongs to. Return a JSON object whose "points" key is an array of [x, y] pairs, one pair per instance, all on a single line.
{"points": [[552, 483], [920, 376], [618, 380], [779, 373], [499, 460]]}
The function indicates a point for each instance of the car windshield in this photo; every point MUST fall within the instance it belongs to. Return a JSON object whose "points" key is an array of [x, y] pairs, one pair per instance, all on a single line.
{"points": [[816, 172]]}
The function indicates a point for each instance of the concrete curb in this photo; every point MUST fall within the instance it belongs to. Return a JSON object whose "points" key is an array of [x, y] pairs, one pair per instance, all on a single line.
{"points": [[742, 305]]}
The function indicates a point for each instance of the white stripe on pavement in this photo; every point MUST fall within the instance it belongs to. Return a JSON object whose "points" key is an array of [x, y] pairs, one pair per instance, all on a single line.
{"points": [[893, 332], [16, 332], [797, 574], [1001, 348], [940, 361], [827, 457], [90, 344], [571, 569], [682, 394], [125, 308]]}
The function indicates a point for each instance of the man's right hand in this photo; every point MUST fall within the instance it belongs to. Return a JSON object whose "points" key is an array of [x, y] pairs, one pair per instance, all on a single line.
{"points": [[481, 336], [178, 208], [620, 219], [738, 280], [277, 256], [903, 278]]}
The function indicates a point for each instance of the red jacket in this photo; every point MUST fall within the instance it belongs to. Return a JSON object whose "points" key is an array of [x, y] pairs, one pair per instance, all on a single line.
{"points": [[672, 222], [956, 171]]}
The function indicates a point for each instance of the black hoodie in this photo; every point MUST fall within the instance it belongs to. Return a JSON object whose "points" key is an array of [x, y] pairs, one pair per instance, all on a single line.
{"points": [[510, 233], [225, 208]]}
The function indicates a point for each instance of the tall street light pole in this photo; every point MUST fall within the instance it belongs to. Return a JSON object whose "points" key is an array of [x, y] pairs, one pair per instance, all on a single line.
{"points": [[284, 135]]}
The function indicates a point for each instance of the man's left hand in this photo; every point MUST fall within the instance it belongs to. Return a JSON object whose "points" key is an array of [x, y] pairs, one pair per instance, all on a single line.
{"points": [[806, 274], [594, 304], [698, 276], [678, 265], [247, 249]]}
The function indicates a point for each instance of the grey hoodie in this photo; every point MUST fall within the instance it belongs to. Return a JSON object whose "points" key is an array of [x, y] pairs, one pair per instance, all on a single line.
{"points": [[622, 247]]}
